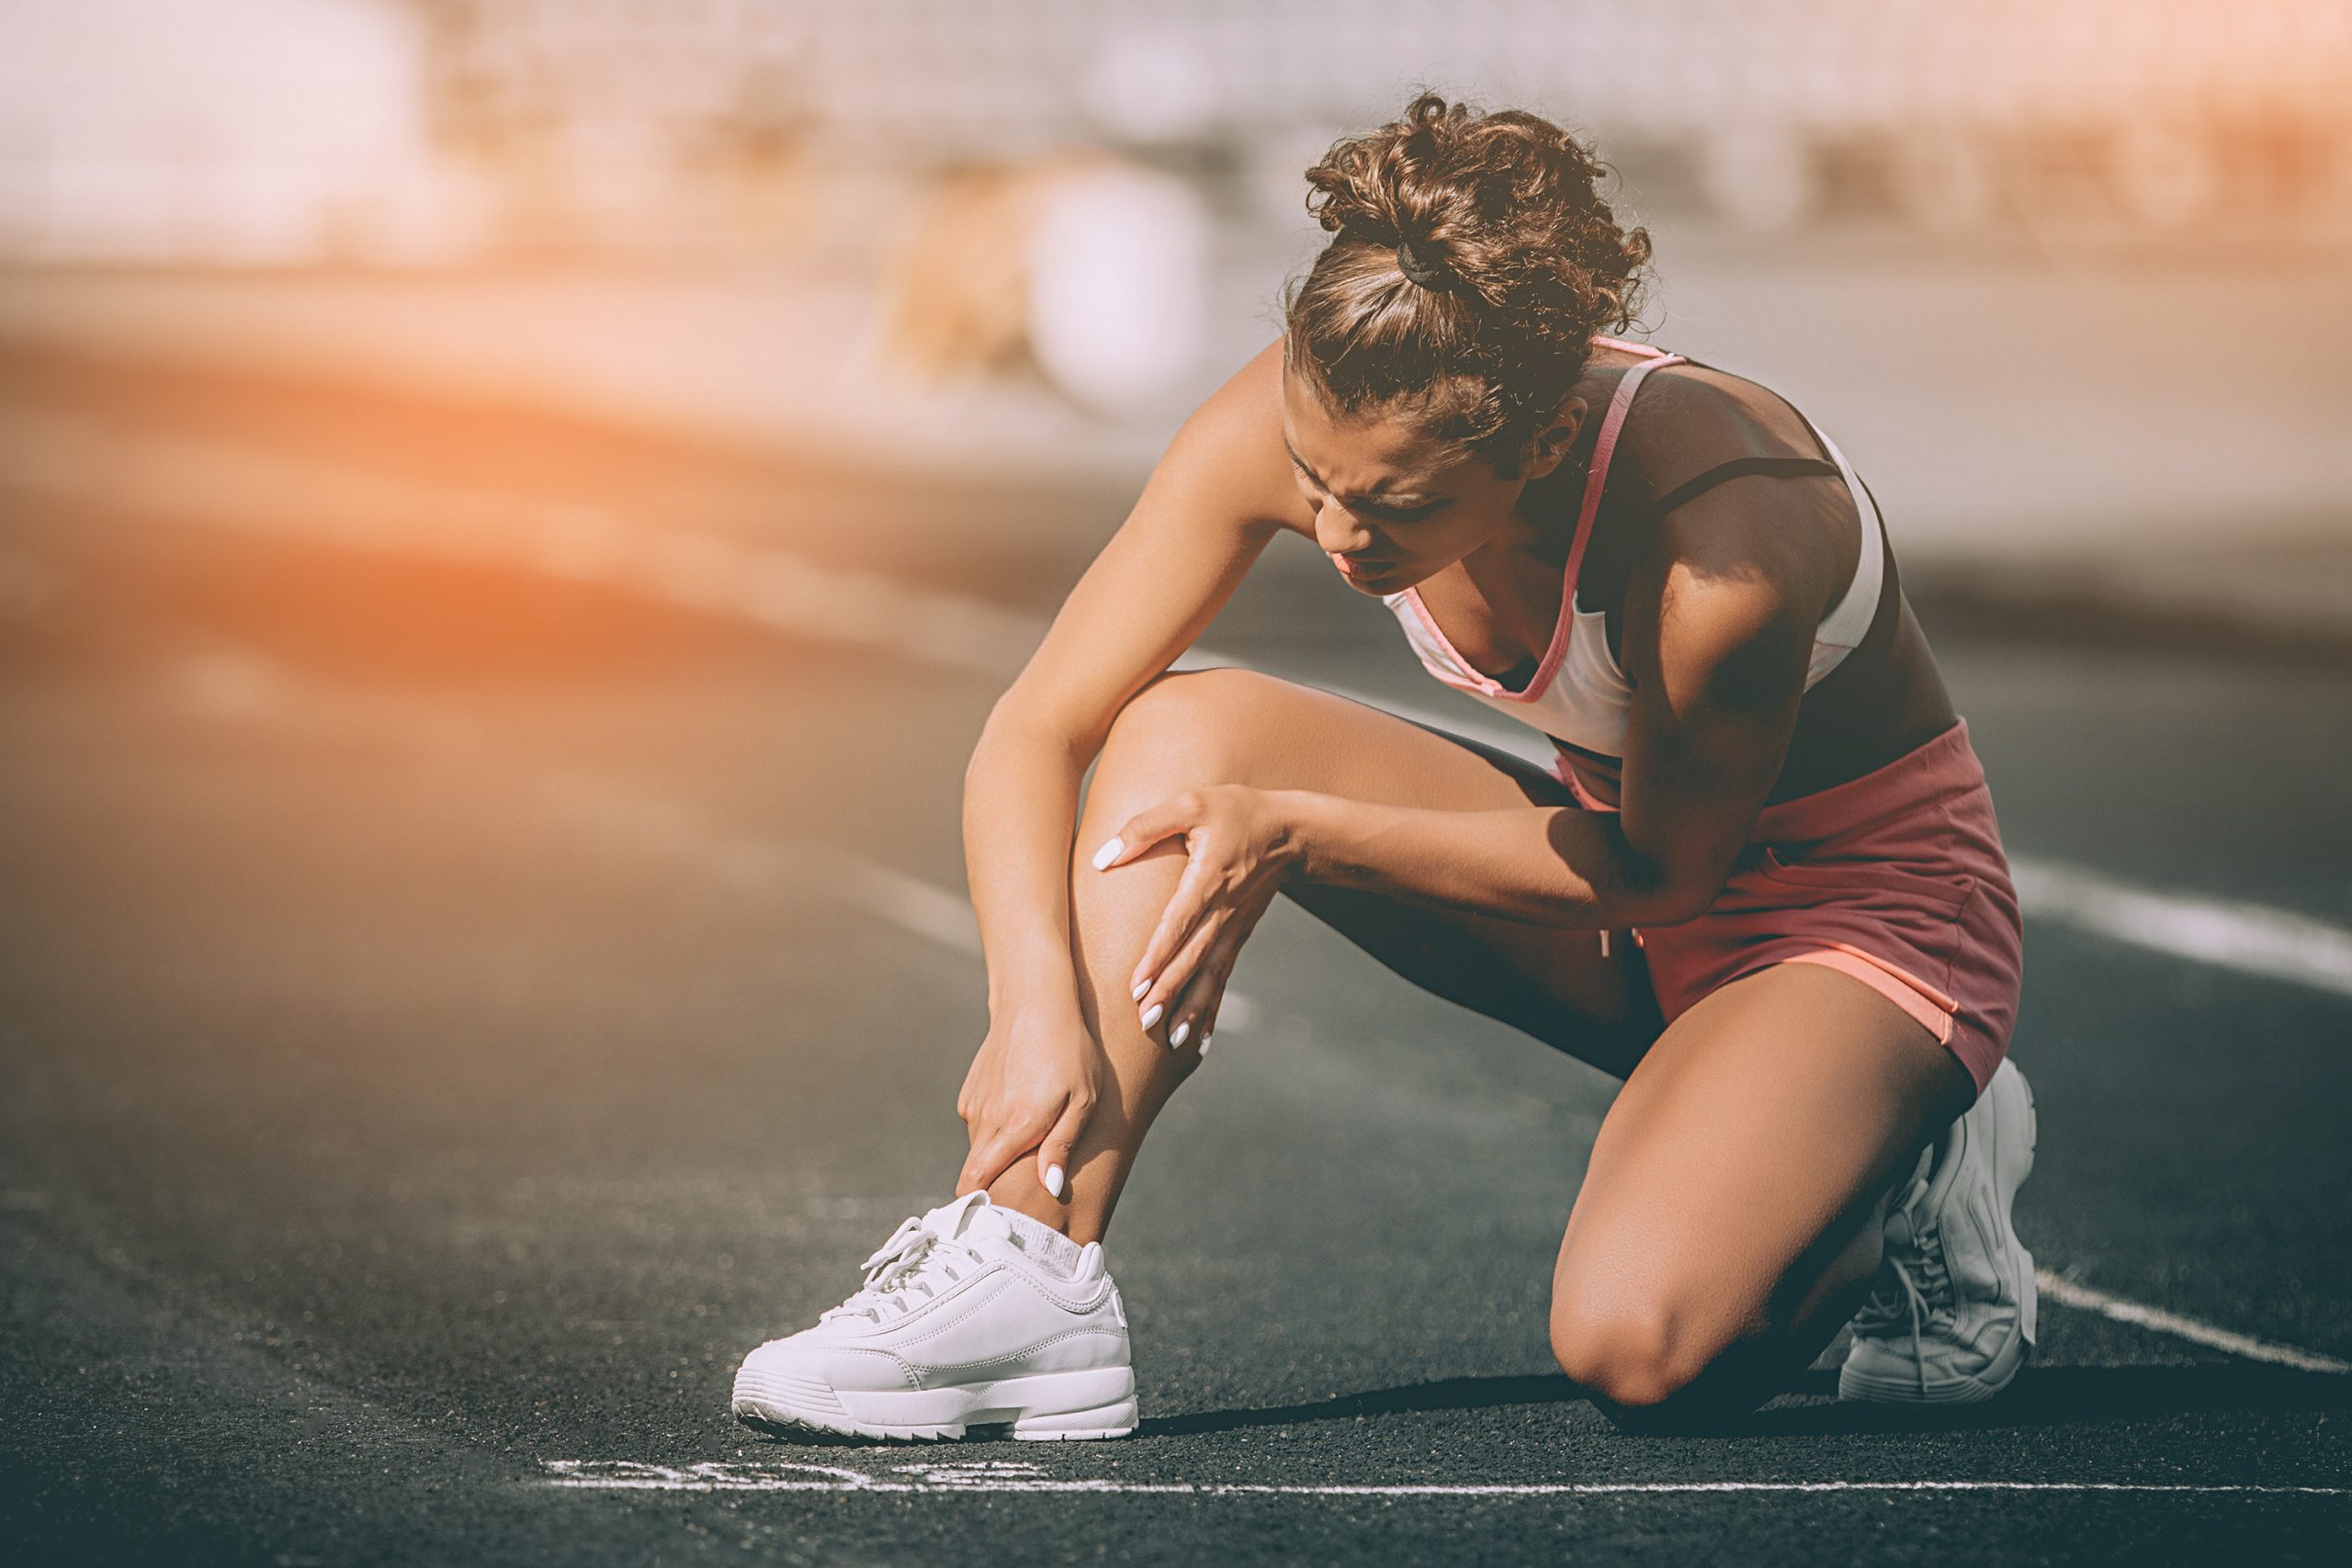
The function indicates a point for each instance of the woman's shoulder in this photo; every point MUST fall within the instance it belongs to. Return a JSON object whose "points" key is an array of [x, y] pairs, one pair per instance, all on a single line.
{"points": [[1690, 417], [1230, 447], [1788, 537]]}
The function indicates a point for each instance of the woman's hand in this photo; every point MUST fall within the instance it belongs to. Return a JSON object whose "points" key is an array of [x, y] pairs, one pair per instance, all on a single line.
{"points": [[1036, 1078], [1241, 847]]}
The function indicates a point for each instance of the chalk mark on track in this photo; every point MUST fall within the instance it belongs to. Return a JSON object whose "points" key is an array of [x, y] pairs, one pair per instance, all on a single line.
{"points": [[996, 1477]]}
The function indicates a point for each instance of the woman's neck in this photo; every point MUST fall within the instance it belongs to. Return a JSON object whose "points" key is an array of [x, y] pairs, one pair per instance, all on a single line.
{"points": [[1542, 530]]}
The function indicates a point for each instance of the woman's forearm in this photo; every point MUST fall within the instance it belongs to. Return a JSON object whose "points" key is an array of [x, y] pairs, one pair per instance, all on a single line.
{"points": [[1546, 865], [1020, 792]]}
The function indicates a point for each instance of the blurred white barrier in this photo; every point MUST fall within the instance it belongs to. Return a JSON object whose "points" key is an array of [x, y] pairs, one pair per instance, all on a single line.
{"points": [[1118, 285], [249, 131], [295, 131]]}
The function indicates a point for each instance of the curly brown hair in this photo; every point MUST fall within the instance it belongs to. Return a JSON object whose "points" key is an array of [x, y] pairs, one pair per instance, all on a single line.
{"points": [[1521, 263]]}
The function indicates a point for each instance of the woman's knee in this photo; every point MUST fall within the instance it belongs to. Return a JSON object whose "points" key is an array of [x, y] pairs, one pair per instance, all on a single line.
{"points": [[1659, 1357], [1631, 1344], [1189, 702], [1186, 727]]}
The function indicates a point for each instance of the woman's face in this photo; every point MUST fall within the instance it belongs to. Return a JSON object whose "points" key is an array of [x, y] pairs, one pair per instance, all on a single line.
{"points": [[1392, 508]]}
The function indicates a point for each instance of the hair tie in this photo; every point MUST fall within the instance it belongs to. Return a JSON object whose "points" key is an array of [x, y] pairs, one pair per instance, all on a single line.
{"points": [[1428, 274]]}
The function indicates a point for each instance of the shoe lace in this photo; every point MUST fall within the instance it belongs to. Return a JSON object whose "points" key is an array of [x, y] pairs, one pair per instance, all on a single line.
{"points": [[904, 1263], [1914, 1263]]}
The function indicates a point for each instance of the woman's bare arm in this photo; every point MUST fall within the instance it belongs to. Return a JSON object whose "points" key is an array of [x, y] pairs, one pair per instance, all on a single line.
{"points": [[1716, 639], [1547, 865], [1217, 495]]}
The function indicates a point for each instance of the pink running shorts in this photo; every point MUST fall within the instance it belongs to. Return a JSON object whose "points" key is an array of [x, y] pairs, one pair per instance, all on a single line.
{"points": [[1896, 878]]}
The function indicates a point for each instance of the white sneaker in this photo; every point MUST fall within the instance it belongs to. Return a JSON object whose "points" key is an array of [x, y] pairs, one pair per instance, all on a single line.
{"points": [[971, 1315], [1952, 1317]]}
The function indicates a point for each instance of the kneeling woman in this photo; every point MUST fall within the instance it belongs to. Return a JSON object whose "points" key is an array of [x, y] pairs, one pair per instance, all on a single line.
{"points": [[1763, 884]]}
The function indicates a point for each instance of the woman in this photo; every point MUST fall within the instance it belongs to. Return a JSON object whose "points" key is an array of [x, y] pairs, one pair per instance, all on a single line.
{"points": [[1763, 884]]}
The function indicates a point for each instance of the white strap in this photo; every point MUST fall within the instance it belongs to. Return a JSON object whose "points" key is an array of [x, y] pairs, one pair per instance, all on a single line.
{"points": [[1851, 621]]}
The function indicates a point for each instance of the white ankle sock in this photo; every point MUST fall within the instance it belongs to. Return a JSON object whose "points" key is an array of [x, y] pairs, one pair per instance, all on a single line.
{"points": [[1041, 1242]]}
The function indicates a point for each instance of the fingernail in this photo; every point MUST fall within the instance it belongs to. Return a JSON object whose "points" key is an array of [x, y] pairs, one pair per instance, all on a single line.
{"points": [[1176, 1036], [1207, 1040], [1141, 986], [1108, 852], [1054, 1179], [1151, 1014]]}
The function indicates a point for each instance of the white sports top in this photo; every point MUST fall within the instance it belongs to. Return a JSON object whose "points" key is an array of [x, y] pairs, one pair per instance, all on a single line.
{"points": [[1577, 694]]}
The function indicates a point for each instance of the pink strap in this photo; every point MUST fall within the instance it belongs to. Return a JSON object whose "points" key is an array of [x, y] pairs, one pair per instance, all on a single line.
{"points": [[1633, 347], [1595, 478], [1597, 474]]}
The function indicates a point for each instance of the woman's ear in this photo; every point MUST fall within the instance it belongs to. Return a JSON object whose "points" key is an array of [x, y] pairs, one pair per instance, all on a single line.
{"points": [[1551, 443]]}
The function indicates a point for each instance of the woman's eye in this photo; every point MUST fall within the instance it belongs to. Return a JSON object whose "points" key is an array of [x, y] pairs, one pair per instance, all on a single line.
{"points": [[1313, 491]]}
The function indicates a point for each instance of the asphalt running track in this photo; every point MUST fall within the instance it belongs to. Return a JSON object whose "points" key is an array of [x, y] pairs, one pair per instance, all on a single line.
{"points": [[450, 1007]]}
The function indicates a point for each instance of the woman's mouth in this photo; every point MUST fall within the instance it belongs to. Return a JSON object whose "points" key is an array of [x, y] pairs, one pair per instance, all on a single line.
{"points": [[1352, 566]]}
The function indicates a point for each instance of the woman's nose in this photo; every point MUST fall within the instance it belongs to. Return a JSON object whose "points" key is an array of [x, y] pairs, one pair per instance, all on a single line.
{"points": [[1337, 533]]}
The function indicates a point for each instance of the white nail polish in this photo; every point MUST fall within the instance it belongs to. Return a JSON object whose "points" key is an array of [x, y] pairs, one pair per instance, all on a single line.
{"points": [[1207, 1040], [1054, 1179], [1108, 852], [1177, 1035], [1151, 1014], [1141, 986]]}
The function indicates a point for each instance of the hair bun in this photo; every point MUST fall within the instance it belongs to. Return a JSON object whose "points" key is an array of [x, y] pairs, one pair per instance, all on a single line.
{"points": [[1516, 259], [1428, 273]]}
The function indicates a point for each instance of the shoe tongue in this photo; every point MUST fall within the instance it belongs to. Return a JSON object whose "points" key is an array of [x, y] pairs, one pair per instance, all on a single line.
{"points": [[1914, 1191], [948, 1221], [973, 1215]]}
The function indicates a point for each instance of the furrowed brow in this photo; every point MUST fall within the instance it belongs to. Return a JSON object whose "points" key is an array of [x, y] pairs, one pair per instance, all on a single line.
{"points": [[1373, 498]]}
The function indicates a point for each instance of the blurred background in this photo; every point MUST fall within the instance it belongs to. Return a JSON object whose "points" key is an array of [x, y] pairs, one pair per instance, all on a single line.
{"points": [[512, 513], [1036, 231]]}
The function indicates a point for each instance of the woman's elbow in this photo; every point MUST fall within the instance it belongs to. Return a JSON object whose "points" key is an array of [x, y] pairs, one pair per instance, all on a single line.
{"points": [[1662, 897], [1029, 729]]}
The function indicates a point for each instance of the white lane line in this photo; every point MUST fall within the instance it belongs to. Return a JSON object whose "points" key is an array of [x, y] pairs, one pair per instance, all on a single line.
{"points": [[218, 484], [2252, 938], [997, 1478], [761, 864], [2058, 1287], [228, 682], [758, 863], [234, 681], [945, 917]]}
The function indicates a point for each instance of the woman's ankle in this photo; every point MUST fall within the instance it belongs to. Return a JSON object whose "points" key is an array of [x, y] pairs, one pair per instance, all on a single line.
{"points": [[1072, 1214]]}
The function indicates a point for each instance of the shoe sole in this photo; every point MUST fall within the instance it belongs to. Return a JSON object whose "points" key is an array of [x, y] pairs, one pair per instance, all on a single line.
{"points": [[1858, 1383], [2028, 1293], [2014, 1146], [1087, 1405]]}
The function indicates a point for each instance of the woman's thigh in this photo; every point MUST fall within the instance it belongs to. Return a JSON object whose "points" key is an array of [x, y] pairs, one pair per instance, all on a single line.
{"points": [[1742, 1157], [1243, 727]]}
